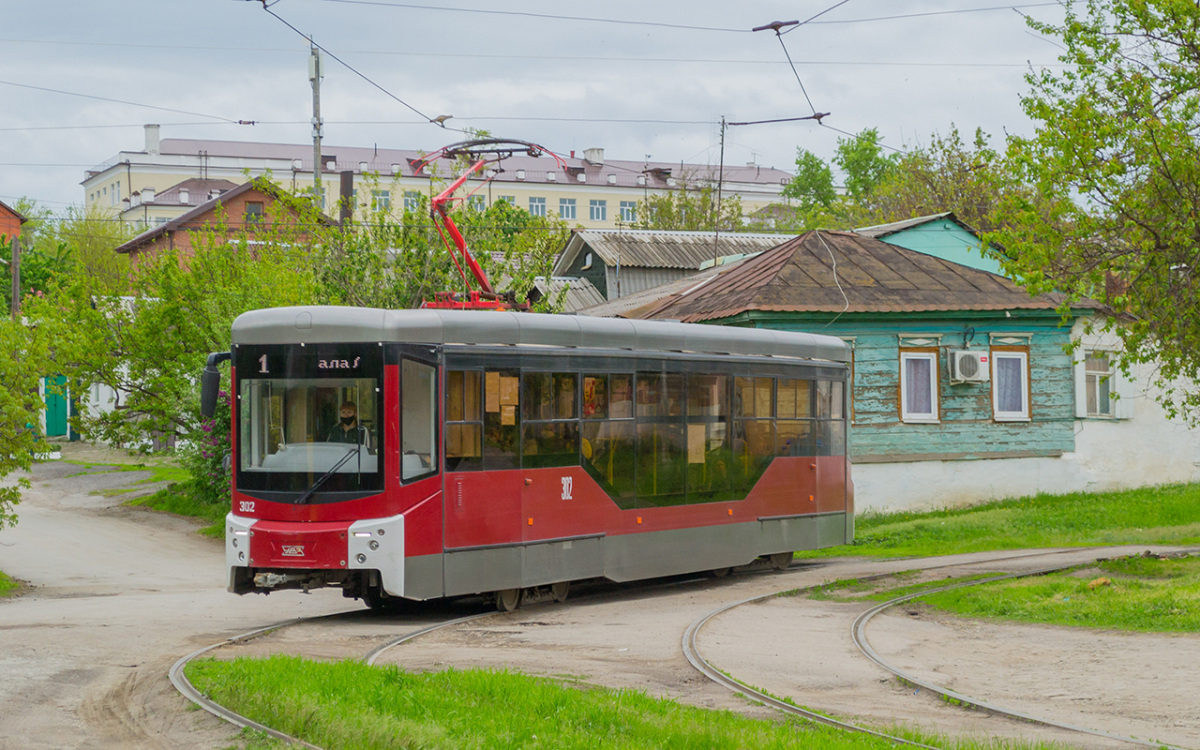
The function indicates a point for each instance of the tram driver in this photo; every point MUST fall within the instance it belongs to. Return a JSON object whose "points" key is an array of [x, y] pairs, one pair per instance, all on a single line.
{"points": [[349, 430]]}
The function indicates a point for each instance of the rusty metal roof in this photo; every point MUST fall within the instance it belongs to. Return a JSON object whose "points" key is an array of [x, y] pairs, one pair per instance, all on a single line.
{"points": [[823, 271]]}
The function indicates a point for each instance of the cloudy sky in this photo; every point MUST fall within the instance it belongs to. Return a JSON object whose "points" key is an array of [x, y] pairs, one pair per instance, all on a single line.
{"points": [[78, 79]]}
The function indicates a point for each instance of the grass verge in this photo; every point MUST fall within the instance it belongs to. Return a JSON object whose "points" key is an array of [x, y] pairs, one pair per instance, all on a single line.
{"points": [[179, 499], [7, 585], [1140, 594], [350, 705], [1152, 515]]}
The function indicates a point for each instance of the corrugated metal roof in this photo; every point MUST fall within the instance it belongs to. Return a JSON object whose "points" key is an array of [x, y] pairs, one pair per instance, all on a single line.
{"points": [[628, 305], [822, 271], [879, 231], [580, 292], [648, 248]]}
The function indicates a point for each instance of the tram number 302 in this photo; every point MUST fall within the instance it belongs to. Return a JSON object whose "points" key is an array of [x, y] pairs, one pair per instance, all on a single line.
{"points": [[246, 506], [567, 483]]}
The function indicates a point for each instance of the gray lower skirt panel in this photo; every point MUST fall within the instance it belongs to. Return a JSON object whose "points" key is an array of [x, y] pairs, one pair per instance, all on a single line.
{"points": [[628, 557]]}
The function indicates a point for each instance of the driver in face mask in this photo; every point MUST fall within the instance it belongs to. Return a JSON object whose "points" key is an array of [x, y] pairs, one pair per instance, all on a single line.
{"points": [[349, 430]]}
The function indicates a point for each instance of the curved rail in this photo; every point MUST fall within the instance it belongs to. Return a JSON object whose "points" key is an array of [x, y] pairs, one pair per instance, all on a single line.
{"points": [[708, 670], [858, 632], [183, 685], [859, 635]]}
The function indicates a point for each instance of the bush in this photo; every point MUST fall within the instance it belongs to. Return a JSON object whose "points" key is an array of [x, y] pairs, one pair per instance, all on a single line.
{"points": [[204, 457]]}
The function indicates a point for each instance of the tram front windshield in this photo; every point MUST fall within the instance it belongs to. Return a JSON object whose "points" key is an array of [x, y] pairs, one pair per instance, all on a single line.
{"points": [[301, 428]]}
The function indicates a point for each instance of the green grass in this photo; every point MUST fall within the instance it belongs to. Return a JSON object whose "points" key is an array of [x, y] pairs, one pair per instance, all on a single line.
{"points": [[7, 585], [854, 589], [1141, 594], [178, 498], [1153, 515], [350, 705]]}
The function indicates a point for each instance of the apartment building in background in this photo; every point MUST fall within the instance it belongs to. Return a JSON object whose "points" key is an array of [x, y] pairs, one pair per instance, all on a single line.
{"points": [[171, 176]]}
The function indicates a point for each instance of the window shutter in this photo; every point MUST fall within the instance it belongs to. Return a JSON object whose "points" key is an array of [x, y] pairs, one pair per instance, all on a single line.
{"points": [[1081, 385], [1128, 392]]}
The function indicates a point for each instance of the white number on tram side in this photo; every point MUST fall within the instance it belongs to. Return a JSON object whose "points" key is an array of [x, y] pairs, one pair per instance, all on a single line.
{"points": [[567, 482], [246, 506]]}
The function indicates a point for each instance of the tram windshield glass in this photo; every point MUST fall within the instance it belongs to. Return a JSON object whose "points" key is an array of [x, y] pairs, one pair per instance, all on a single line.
{"points": [[298, 426]]}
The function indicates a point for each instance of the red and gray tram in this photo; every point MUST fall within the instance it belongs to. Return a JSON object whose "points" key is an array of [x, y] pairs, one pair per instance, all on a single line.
{"points": [[420, 454]]}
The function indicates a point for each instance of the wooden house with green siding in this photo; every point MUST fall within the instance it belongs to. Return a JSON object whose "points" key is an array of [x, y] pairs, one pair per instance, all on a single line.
{"points": [[961, 381]]}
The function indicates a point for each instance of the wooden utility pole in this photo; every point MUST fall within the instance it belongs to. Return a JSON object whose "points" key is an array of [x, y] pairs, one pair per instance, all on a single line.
{"points": [[315, 75]]}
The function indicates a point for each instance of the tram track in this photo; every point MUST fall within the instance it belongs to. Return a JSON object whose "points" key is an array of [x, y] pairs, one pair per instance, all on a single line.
{"points": [[696, 658], [858, 635]]}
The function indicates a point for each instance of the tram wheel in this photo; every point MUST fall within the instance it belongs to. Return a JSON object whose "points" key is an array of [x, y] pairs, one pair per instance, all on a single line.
{"points": [[781, 560], [559, 591], [380, 601], [508, 600]]}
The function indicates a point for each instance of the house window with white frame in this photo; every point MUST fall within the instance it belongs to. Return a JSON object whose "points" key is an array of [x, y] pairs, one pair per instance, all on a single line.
{"points": [[477, 203], [629, 211], [1098, 379], [1010, 385], [598, 210], [566, 208], [412, 200], [382, 200], [919, 385], [537, 206]]}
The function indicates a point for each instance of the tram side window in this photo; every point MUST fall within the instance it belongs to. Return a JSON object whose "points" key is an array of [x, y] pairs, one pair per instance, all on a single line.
{"points": [[831, 439], [795, 432], [464, 420], [753, 429], [661, 468], [608, 442], [709, 449], [501, 398], [550, 426], [418, 419]]}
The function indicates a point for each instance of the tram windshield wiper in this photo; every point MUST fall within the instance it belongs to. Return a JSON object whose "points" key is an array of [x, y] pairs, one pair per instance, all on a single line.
{"points": [[355, 451]]}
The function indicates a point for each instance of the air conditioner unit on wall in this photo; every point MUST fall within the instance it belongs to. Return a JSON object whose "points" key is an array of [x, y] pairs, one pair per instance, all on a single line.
{"points": [[969, 367]]}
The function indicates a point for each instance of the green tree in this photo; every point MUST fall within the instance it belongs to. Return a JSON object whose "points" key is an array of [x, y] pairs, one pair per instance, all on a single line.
{"points": [[863, 163], [1116, 165], [690, 207], [947, 175], [812, 187]]}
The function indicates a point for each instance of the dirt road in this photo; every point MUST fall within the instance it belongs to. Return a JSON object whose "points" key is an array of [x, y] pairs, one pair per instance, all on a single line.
{"points": [[120, 594]]}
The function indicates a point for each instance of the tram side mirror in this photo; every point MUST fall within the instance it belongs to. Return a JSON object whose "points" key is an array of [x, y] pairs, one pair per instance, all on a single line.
{"points": [[210, 384]]}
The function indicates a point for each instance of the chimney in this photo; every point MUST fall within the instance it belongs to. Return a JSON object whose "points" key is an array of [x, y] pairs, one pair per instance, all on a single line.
{"points": [[594, 156], [147, 195], [152, 139]]}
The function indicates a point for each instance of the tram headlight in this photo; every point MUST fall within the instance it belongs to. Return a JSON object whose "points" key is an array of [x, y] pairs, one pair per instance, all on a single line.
{"points": [[374, 545], [361, 558], [241, 557]]}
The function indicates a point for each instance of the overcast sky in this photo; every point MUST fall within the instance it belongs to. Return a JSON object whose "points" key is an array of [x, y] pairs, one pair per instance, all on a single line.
{"points": [[636, 78]]}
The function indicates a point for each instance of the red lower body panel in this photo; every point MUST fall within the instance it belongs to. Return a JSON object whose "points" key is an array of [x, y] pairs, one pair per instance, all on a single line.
{"points": [[276, 544]]}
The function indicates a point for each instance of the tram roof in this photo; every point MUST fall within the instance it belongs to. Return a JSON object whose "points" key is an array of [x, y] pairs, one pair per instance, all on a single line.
{"points": [[319, 324]]}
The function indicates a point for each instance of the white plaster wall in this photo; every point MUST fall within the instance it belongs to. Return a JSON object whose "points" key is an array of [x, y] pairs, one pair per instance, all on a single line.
{"points": [[925, 485], [1110, 454]]}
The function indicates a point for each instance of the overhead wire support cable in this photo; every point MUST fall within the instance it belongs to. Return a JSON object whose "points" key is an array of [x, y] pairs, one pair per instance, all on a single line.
{"points": [[351, 68], [546, 16], [123, 101]]}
